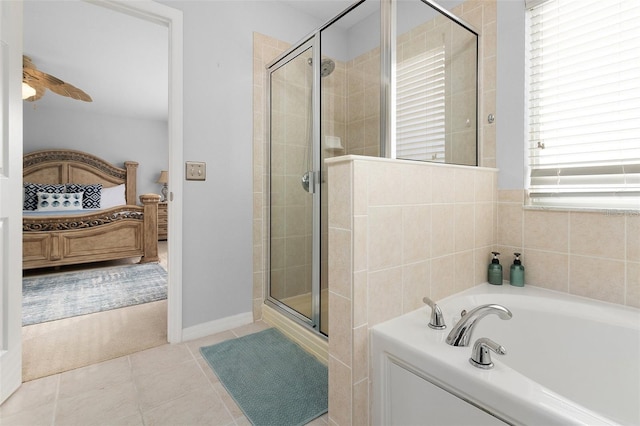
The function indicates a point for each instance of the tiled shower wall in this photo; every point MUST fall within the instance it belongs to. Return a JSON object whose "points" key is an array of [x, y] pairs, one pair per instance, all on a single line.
{"points": [[363, 104], [437, 35], [265, 49], [398, 231]]}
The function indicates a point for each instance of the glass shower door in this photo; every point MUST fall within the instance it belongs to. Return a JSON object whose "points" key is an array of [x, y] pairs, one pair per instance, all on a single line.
{"points": [[292, 186]]}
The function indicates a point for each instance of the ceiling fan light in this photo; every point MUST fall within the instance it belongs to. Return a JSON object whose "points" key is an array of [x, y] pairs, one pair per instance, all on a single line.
{"points": [[27, 91]]}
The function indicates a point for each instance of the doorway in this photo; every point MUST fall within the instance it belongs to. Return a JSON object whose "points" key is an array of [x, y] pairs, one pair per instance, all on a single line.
{"points": [[167, 318]]}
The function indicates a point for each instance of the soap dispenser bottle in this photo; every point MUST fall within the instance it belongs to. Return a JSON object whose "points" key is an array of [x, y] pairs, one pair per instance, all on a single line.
{"points": [[516, 275], [495, 270]]}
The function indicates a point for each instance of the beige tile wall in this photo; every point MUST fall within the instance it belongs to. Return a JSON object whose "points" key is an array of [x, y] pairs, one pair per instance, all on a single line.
{"points": [[591, 254], [363, 85], [265, 49], [460, 61], [291, 206], [398, 231], [363, 104], [482, 15]]}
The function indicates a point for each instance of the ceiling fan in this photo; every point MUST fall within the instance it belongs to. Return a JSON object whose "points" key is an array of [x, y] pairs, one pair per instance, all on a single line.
{"points": [[35, 82]]}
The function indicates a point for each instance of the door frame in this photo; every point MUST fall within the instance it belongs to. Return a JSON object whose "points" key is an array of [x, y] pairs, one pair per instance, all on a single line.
{"points": [[172, 19], [11, 130], [10, 189], [312, 322]]}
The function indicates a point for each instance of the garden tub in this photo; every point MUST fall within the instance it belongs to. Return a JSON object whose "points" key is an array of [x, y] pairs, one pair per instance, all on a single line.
{"points": [[569, 360]]}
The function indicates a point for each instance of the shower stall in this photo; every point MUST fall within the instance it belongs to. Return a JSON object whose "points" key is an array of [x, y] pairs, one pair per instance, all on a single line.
{"points": [[390, 78]]}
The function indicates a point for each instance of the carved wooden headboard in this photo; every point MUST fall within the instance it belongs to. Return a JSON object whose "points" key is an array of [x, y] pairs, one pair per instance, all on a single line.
{"points": [[69, 166]]}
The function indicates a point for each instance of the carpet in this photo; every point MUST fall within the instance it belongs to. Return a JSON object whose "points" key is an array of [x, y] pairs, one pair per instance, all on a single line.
{"points": [[272, 379], [65, 295]]}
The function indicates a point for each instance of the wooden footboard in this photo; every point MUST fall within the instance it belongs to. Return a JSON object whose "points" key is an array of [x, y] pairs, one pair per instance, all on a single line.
{"points": [[116, 233]]}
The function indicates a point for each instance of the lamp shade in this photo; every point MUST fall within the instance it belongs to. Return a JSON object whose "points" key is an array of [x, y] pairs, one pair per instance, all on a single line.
{"points": [[164, 177]]}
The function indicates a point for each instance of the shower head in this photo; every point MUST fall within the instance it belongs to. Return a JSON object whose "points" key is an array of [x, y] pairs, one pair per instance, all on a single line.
{"points": [[326, 66]]}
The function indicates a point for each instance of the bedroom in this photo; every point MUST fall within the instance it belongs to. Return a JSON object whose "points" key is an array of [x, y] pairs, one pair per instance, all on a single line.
{"points": [[127, 124]]}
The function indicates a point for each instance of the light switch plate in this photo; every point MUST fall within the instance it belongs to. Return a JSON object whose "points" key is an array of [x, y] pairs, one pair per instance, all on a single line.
{"points": [[196, 170]]}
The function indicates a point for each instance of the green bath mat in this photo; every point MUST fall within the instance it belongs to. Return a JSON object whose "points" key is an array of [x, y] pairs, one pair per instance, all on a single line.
{"points": [[273, 380]]}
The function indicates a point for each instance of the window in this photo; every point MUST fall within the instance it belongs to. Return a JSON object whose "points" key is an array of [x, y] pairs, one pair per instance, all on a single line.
{"points": [[420, 106], [584, 103]]}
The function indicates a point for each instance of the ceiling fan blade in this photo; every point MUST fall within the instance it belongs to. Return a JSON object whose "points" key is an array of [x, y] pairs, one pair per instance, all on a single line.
{"points": [[32, 74], [66, 89], [38, 79]]}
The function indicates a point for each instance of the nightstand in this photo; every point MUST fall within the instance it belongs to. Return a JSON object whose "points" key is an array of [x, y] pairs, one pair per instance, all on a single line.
{"points": [[163, 221]]}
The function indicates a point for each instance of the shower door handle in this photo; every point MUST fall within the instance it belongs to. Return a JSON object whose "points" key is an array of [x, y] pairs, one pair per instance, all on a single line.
{"points": [[308, 182]]}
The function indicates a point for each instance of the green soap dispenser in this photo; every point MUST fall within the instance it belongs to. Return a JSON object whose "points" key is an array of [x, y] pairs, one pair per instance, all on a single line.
{"points": [[516, 275], [495, 270]]}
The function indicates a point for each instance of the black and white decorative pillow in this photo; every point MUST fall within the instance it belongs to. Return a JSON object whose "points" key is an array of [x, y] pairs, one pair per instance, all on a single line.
{"points": [[31, 193], [58, 202], [91, 197]]}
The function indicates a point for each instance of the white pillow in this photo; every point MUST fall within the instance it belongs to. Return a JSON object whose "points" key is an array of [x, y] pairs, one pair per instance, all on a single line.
{"points": [[48, 202], [113, 197]]}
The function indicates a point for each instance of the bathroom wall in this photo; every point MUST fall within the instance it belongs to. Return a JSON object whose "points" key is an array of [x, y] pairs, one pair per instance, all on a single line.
{"points": [[334, 91], [438, 35], [398, 231], [591, 254], [363, 104], [218, 128], [265, 49]]}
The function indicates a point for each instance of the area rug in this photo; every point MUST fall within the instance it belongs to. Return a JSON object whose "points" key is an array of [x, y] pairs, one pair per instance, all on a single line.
{"points": [[57, 296], [272, 379]]}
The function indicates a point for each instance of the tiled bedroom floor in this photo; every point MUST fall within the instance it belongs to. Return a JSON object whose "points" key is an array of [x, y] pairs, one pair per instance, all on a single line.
{"points": [[166, 385]]}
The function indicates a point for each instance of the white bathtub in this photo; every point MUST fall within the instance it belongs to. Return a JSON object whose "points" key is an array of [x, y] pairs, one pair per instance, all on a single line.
{"points": [[569, 360]]}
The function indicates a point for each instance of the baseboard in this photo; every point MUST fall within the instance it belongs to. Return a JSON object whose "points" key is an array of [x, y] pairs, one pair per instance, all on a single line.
{"points": [[216, 326]]}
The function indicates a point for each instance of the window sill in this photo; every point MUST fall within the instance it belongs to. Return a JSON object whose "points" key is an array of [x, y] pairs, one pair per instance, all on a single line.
{"points": [[608, 211]]}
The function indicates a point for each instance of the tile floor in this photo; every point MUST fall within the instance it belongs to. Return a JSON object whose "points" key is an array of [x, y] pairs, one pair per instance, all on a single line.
{"points": [[166, 385]]}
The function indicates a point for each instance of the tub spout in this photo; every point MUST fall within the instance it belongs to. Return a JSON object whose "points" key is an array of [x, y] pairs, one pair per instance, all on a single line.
{"points": [[460, 335]]}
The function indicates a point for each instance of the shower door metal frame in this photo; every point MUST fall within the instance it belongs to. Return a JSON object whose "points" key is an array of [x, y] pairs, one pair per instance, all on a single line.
{"points": [[312, 42], [313, 39]]}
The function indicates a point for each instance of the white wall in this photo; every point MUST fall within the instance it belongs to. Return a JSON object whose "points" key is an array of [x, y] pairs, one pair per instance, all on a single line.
{"points": [[510, 94], [218, 129], [115, 139]]}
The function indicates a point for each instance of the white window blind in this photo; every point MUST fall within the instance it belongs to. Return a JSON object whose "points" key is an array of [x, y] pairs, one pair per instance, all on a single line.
{"points": [[420, 107], [584, 104]]}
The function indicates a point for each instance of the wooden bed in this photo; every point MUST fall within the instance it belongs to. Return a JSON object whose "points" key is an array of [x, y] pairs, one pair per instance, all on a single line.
{"points": [[115, 233]]}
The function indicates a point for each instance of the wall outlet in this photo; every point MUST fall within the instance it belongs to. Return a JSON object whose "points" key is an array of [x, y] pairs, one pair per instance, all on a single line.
{"points": [[196, 170]]}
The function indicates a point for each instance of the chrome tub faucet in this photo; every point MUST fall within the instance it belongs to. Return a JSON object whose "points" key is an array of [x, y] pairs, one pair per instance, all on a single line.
{"points": [[437, 320], [481, 357], [460, 334]]}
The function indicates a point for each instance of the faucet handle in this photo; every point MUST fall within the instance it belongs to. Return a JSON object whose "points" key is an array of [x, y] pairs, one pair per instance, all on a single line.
{"points": [[437, 320], [480, 355]]}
